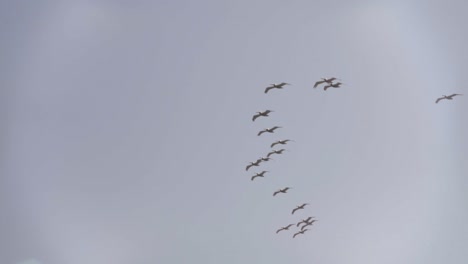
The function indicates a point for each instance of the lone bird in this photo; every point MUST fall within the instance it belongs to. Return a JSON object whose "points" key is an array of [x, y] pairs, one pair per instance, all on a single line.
{"points": [[269, 130], [282, 191], [324, 80], [277, 86], [256, 163], [299, 207], [304, 221], [300, 232], [282, 142], [259, 114], [284, 228], [334, 85], [308, 224], [259, 174], [275, 152], [449, 97]]}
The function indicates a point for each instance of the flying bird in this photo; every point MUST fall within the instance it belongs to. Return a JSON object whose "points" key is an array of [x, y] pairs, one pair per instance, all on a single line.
{"points": [[300, 232], [282, 142], [304, 221], [299, 207], [275, 152], [269, 130], [256, 163], [284, 228], [449, 97], [308, 224], [334, 85], [324, 80], [259, 174], [265, 159], [277, 86], [259, 114], [282, 191]]}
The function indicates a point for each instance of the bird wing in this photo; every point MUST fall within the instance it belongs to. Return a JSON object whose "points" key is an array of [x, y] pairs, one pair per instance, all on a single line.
{"points": [[438, 99], [274, 144], [275, 127], [304, 226], [253, 177], [454, 95], [294, 210], [270, 153], [261, 132], [288, 226], [318, 83], [255, 117], [295, 235], [248, 167], [275, 193], [277, 231], [269, 88], [283, 84], [326, 87]]}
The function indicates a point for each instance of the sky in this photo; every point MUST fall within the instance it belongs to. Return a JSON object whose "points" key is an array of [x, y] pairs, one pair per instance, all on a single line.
{"points": [[126, 129]]}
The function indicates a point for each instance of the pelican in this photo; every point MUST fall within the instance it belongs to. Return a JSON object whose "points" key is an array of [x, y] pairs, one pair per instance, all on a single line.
{"points": [[299, 207], [334, 85], [308, 224], [256, 163], [282, 142], [304, 221], [261, 174], [265, 159], [324, 80], [269, 130], [300, 232], [284, 228], [259, 114], [277, 86], [282, 191], [449, 97], [275, 152]]}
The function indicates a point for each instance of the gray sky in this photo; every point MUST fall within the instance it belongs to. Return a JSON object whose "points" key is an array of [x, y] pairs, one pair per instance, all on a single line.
{"points": [[127, 129]]}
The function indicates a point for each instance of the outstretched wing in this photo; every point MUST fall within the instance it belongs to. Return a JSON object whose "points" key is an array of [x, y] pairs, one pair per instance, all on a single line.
{"points": [[279, 230], [261, 132], [270, 153], [275, 127], [283, 84], [269, 88], [296, 234], [326, 87], [438, 99], [274, 144], [318, 83], [275, 193], [294, 210], [248, 167], [255, 117], [454, 95]]}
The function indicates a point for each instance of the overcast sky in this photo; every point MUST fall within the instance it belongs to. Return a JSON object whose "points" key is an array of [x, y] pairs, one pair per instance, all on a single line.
{"points": [[126, 129]]}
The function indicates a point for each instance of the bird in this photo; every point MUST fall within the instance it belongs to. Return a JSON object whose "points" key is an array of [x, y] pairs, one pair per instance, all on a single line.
{"points": [[284, 190], [334, 85], [275, 152], [265, 159], [300, 232], [449, 97], [277, 86], [304, 221], [299, 207], [269, 130], [261, 174], [256, 163], [324, 80], [259, 114], [284, 228], [282, 142], [308, 224]]}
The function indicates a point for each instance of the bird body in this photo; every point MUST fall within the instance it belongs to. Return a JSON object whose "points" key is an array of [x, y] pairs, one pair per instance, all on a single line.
{"points": [[259, 114], [334, 85], [277, 86], [304, 221], [299, 207], [324, 80], [256, 163], [448, 97], [284, 228], [282, 142], [284, 190], [308, 224], [269, 130], [300, 232], [275, 152]]}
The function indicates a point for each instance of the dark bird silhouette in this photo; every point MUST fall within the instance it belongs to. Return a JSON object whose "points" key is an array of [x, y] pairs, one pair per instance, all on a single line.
{"points": [[261, 174], [277, 86], [282, 142], [275, 152], [300, 232], [334, 85], [256, 163], [308, 224], [269, 130], [324, 80], [299, 207], [449, 97], [304, 221], [284, 228], [259, 114], [282, 191], [265, 159]]}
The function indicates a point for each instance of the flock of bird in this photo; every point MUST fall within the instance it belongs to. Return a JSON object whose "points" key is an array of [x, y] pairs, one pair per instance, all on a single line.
{"points": [[329, 83]]}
